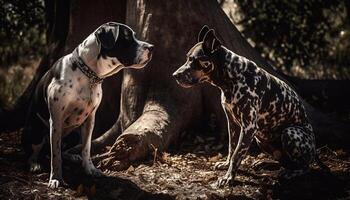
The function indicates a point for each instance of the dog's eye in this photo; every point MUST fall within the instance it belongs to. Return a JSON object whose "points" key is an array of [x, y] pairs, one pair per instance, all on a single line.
{"points": [[128, 35], [205, 64], [190, 58]]}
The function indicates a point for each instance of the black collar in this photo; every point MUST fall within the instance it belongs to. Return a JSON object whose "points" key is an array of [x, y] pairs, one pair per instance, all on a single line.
{"points": [[77, 61]]}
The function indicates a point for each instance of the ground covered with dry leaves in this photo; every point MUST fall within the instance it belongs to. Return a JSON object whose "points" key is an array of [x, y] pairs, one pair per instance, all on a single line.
{"points": [[183, 173]]}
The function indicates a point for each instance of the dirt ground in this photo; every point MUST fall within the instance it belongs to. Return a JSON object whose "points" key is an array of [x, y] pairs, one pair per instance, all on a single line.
{"points": [[184, 173]]}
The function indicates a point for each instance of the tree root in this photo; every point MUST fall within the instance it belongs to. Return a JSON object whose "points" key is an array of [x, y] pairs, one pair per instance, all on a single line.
{"points": [[154, 129], [137, 140]]}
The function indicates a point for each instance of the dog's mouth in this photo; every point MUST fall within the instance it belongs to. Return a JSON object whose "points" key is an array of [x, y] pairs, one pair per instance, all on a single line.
{"points": [[143, 61], [184, 85], [148, 59], [204, 79], [186, 82]]}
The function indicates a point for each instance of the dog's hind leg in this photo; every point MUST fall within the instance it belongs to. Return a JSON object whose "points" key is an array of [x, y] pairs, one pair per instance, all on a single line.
{"points": [[33, 139], [33, 160], [298, 143]]}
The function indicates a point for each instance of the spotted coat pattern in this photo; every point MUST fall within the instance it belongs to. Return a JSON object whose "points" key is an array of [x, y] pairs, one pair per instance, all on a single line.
{"points": [[68, 95], [265, 108], [257, 105]]}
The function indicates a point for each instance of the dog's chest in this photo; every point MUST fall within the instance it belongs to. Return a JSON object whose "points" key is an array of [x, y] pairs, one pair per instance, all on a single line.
{"points": [[72, 97], [84, 101]]}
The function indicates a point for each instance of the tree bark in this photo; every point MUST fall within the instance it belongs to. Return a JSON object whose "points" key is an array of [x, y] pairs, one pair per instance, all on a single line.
{"points": [[154, 109], [328, 95]]}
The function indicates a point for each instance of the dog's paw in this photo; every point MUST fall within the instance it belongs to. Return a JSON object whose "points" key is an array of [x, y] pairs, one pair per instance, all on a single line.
{"points": [[227, 179], [56, 182], [266, 164], [221, 165]]}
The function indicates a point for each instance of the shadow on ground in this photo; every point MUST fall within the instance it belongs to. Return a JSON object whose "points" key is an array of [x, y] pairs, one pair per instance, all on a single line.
{"points": [[316, 185], [185, 174]]}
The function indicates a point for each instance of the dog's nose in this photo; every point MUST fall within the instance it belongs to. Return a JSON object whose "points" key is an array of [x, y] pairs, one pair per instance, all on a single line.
{"points": [[177, 75], [150, 47]]}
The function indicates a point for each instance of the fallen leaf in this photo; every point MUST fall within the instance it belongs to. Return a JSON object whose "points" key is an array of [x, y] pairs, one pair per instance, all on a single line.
{"points": [[130, 169], [215, 158]]}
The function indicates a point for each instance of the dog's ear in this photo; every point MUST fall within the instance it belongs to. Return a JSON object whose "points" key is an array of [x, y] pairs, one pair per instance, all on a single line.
{"points": [[107, 35], [216, 44], [202, 33], [210, 42]]}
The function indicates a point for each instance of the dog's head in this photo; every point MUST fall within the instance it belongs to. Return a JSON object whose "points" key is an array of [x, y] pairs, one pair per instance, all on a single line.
{"points": [[200, 59], [114, 46]]}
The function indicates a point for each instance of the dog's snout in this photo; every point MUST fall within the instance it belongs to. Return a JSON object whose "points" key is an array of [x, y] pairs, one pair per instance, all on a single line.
{"points": [[150, 47], [179, 73], [176, 74], [181, 77]]}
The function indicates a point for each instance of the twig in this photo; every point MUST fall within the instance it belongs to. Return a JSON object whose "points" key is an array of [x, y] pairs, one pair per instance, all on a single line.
{"points": [[155, 154], [40, 183], [107, 161], [327, 149], [102, 156], [340, 160], [113, 146]]}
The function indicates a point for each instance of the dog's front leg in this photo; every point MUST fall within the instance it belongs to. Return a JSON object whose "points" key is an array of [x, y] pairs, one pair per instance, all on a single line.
{"points": [[55, 144], [86, 133], [232, 128], [244, 140]]}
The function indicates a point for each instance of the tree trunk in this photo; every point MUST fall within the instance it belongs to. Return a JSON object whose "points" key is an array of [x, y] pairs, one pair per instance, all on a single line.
{"points": [[154, 109], [328, 95]]}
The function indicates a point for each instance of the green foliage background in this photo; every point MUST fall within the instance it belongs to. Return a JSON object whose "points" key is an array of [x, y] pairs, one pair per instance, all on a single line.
{"points": [[22, 31], [22, 43], [302, 33]]}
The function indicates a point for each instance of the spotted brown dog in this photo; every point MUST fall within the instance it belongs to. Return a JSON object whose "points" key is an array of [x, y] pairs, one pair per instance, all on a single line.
{"points": [[262, 105], [69, 94]]}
